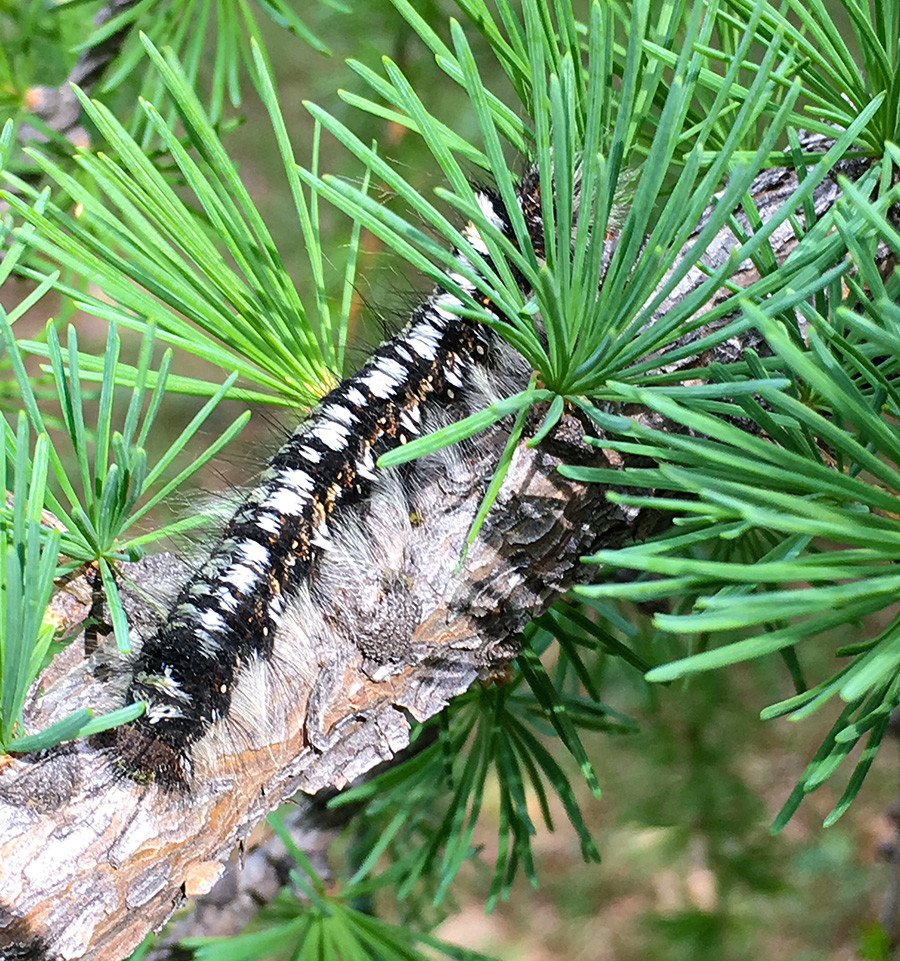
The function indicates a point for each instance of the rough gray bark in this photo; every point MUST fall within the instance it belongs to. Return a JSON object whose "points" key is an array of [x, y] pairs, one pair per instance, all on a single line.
{"points": [[90, 862]]}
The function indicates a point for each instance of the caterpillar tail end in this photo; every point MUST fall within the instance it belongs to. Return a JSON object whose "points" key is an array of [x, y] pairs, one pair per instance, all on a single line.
{"points": [[146, 758]]}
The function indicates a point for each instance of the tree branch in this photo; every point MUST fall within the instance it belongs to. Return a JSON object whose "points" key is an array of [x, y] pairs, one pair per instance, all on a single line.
{"points": [[91, 861], [58, 107]]}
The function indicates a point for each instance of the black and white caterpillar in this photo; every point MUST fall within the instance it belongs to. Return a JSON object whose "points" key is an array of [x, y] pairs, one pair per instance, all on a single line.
{"points": [[227, 618]]}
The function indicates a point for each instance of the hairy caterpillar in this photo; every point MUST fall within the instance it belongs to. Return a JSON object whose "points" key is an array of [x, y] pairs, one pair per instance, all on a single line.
{"points": [[227, 619]]}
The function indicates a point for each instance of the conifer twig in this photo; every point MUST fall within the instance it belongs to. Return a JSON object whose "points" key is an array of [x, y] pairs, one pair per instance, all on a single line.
{"points": [[58, 107]]}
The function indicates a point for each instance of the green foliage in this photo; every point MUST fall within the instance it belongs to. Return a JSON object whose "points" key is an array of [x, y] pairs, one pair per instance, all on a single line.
{"points": [[27, 560], [312, 920], [841, 72], [42, 37], [581, 343], [92, 523], [578, 342], [196, 33], [164, 265], [822, 475], [98, 517], [423, 813], [29, 552]]}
